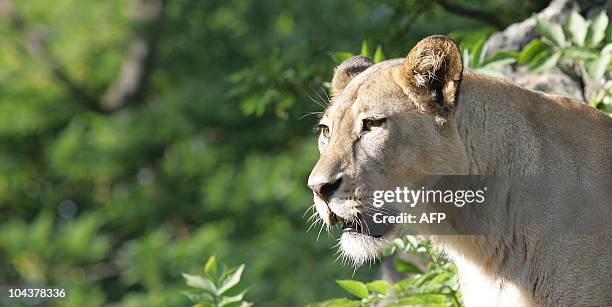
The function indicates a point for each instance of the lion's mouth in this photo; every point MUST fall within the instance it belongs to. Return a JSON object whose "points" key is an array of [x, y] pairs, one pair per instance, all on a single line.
{"points": [[351, 227], [359, 225]]}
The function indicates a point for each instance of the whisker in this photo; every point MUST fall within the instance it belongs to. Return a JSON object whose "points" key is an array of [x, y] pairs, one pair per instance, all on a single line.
{"points": [[311, 207], [309, 114], [313, 224], [367, 226], [312, 216], [326, 103], [319, 103], [326, 95], [319, 235]]}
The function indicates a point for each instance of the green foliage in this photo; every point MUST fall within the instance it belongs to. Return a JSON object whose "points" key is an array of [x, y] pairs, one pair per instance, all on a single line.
{"points": [[355, 288], [551, 32], [586, 44], [530, 51], [602, 98], [217, 286], [576, 29], [377, 57], [473, 49], [597, 30], [437, 286]]}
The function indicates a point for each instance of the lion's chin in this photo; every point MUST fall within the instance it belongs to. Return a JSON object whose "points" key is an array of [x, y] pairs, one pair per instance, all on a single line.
{"points": [[358, 248]]}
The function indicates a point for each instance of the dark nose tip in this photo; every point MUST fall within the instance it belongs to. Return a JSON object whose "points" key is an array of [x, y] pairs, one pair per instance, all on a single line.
{"points": [[325, 190]]}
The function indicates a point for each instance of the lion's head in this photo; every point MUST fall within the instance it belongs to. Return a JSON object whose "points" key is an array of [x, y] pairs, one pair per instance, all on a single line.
{"points": [[387, 123]]}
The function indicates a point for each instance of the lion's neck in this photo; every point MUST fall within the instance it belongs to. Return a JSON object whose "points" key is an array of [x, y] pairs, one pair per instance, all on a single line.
{"points": [[494, 122], [489, 129], [511, 131]]}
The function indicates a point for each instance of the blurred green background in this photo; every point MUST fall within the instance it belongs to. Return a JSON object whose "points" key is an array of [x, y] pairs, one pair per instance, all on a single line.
{"points": [[137, 138]]}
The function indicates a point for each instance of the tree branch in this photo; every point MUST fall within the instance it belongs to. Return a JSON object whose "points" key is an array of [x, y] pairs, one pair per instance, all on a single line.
{"points": [[137, 65], [472, 13], [35, 44]]}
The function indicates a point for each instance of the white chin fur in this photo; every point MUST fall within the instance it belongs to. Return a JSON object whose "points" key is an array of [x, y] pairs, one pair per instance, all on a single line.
{"points": [[359, 248]]}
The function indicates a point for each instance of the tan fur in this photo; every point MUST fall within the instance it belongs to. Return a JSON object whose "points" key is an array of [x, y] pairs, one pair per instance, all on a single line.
{"points": [[443, 121]]}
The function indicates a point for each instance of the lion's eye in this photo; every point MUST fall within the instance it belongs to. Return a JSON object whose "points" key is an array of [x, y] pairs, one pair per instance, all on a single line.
{"points": [[324, 129], [371, 123]]}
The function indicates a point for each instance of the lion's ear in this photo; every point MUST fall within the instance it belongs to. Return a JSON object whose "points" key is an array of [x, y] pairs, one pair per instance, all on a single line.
{"points": [[433, 69], [344, 73]]}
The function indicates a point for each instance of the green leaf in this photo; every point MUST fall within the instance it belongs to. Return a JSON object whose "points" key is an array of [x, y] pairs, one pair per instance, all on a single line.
{"points": [[404, 284], [498, 63], [530, 51], [380, 286], [379, 56], [436, 282], [596, 97], [365, 49], [338, 57], [478, 52], [231, 279], [412, 240], [405, 266], [195, 281], [422, 300], [210, 268], [576, 27], [354, 287], [597, 68], [202, 297], [388, 250], [597, 30], [399, 243], [551, 31], [466, 38], [424, 279], [579, 53], [341, 302], [501, 58], [544, 60], [227, 300]]}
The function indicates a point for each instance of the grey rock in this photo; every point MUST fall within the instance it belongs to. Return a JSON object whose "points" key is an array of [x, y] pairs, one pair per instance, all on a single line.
{"points": [[553, 81], [517, 35]]}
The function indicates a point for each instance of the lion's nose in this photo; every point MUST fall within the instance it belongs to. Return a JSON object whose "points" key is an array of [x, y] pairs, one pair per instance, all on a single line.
{"points": [[323, 187]]}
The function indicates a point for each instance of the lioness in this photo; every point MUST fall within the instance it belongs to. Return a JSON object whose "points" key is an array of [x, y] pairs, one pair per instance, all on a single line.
{"points": [[425, 115]]}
